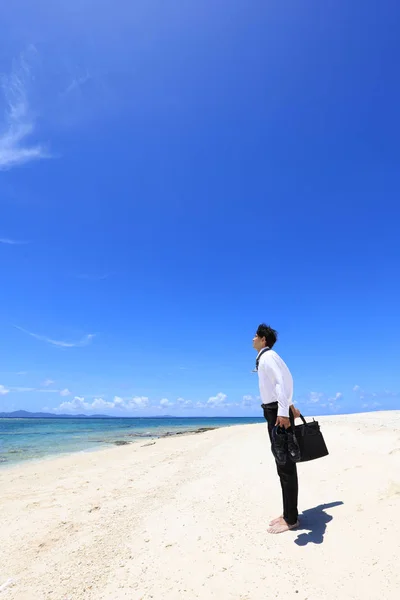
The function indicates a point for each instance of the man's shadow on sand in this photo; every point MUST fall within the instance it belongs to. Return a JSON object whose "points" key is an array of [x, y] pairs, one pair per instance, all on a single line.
{"points": [[315, 520]]}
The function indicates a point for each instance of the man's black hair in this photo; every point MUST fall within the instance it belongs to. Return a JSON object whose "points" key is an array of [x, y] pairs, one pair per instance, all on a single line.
{"points": [[270, 335]]}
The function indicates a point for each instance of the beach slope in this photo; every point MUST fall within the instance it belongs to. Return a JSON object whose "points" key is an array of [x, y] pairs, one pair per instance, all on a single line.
{"points": [[187, 517]]}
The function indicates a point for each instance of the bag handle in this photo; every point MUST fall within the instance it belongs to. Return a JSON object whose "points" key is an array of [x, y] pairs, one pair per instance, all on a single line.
{"points": [[304, 421]]}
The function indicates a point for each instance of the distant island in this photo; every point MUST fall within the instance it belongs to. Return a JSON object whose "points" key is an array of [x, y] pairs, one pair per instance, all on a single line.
{"points": [[24, 414]]}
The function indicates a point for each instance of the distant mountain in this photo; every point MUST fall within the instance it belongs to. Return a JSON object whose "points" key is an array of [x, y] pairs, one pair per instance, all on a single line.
{"points": [[24, 414], [163, 417]]}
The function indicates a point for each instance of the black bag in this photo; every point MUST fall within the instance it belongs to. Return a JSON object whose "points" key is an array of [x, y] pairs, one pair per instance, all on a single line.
{"points": [[311, 441]]}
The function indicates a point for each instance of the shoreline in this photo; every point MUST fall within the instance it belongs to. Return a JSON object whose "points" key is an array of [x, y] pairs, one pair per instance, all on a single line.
{"points": [[130, 522], [106, 445], [98, 445], [137, 438]]}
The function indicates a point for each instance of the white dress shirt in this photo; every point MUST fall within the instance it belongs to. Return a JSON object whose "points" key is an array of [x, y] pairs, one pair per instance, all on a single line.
{"points": [[276, 382]]}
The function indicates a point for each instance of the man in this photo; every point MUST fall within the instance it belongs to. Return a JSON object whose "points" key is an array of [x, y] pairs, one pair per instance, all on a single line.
{"points": [[276, 391]]}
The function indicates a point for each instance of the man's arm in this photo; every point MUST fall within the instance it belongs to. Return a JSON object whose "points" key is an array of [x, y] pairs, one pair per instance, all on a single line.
{"points": [[285, 421], [274, 378], [283, 401], [295, 411]]}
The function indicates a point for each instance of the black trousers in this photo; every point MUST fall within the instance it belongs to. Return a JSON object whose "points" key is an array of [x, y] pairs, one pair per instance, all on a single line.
{"points": [[287, 472]]}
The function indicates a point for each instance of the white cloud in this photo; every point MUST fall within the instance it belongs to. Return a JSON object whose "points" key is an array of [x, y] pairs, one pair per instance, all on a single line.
{"points": [[47, 382], [60, 343], [137, 402], [65, 392], [356, 388], [182, 403], [165, 403], [119, 402], [315, 397], [218, 400], [78, 403], [19, 121], [3, 390], [99, 404]]}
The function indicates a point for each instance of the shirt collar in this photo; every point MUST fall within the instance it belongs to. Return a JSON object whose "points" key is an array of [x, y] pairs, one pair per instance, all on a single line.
{"points": [[259, 356], [262, 351]]}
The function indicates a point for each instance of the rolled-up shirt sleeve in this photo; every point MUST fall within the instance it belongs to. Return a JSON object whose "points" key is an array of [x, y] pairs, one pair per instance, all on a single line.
{"points": [[283, 404], [272, 387]]}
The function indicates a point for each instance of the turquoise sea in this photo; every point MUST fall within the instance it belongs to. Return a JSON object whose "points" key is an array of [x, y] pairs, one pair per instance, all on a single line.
{"points": [[30, 439]]}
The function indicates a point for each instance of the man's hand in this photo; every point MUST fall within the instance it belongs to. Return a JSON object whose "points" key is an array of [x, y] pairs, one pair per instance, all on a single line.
{"points": [[283, 422], [295, 411]]}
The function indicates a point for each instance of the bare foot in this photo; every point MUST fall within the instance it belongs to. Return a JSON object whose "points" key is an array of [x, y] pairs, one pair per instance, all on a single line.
{"points": [[282, 526], [275, 521]]}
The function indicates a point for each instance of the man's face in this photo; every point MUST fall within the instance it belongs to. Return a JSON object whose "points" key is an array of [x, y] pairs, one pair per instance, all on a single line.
{"points": [[258, 343]]}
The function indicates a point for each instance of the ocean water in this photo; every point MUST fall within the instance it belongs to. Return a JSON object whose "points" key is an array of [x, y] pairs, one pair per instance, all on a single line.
{"points": [[29, 439]]}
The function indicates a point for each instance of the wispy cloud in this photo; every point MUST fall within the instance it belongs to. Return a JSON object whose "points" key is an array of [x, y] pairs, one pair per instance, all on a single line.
{"points": [[3, 390], [321, 400], [19, 121], [371, 405], [367, 395], [47, 382], [315, 397], [11, 242], [249, 400], [43, 390], [85, 341], [76, 84], [89, 277], [337, 396]]}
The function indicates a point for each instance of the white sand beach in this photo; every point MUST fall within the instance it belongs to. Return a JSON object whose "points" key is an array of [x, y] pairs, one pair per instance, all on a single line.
{"points": [[187, 517]]}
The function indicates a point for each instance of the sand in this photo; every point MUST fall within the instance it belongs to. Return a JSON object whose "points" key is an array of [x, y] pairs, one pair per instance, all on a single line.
{"points": [[187, 518]]}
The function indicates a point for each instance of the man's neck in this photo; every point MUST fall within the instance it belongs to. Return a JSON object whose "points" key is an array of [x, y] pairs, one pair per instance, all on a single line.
{"points": [[263, 348]]}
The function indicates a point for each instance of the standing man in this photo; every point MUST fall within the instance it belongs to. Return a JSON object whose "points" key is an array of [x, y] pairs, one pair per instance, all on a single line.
{"points": [[276, 391]]}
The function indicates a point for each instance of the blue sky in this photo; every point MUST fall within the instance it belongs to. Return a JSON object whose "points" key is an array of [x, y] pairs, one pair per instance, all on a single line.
{"points": [[172, 174]]}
